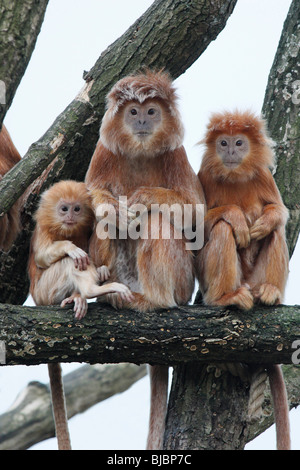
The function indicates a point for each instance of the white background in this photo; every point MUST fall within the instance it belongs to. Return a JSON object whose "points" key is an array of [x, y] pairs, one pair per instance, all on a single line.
{"points": [[231, 73]]}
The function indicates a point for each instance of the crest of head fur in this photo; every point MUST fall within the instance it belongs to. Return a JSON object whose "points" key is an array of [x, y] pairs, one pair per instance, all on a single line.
{"points": [[260, 156], [140, 87], [237, 122]]}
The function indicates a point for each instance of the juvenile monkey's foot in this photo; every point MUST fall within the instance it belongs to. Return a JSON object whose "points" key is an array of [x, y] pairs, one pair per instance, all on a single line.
{"points": [[241, 297], [103, 273], [269, 294], [80, 305]]}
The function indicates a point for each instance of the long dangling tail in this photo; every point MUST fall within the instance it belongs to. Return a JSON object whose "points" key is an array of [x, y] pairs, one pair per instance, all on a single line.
{"points": [[59, 407], [281, 407]]}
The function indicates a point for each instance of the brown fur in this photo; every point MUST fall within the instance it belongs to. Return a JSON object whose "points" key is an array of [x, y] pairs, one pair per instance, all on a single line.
{"points": [[245, 258], [160, 272], [10, 222]]}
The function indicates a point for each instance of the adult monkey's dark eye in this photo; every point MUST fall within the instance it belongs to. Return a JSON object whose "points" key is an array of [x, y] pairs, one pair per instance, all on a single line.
{"points": [[151, 111], [223, 143], [133, 111]]}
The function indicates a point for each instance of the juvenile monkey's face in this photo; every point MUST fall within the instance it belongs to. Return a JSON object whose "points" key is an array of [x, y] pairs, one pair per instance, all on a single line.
{"points": [[143, 120], [69, 213], [232, 149]]}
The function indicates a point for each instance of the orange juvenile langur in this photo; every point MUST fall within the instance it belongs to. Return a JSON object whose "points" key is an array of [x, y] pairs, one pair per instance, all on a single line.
{"points": [[140, 156], [60, 270], [245, 258], [9, 223]]}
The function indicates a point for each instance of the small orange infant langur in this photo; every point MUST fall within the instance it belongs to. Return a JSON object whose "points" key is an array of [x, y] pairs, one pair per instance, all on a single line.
{"points": [[245, 257], [10, 222], [60, 270]]}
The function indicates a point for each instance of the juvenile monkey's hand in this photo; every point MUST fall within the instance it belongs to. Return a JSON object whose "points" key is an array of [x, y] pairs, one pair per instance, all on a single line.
{"points": [[260, 229], [103, 273], [80, 257], [119, 293]]}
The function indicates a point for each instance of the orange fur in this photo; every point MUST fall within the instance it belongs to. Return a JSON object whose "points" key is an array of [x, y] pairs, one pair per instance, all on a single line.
{"points": [[154, 171], [53, 274], [49, 234], [245, 258], [9, 223], [56, 278], [246, 203], [163, 175]]}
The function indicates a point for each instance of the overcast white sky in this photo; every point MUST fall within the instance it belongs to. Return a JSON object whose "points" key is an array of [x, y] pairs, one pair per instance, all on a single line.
{"points": [[232, 73]]}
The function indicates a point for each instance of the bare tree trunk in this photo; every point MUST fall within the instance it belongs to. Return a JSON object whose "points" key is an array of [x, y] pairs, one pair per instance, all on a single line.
{"points": [[207, 410]]}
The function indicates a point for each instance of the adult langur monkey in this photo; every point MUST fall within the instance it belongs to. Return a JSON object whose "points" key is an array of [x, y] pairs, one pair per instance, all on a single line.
{"points": [[140, 156], [244, 230]]}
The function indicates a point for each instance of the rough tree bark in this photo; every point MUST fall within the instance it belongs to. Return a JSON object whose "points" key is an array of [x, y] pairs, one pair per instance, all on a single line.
{"points": [[174, 336], [219, 404], [170, 34], [281, 109], [20, 24]]}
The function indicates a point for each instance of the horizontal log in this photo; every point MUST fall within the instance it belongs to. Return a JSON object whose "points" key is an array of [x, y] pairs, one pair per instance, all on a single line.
{"points": [[35, 335]]}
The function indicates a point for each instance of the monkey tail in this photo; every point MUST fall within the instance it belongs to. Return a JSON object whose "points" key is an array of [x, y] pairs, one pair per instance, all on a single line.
{"points": [[281, 407], [158, 406], [142, 303], [59, 407]]}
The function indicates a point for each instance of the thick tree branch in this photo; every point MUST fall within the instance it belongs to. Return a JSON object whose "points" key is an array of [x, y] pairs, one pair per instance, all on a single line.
{"points": [[84, 387], [20, 24], [194, 333], [281, 109], [36, 335]]}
